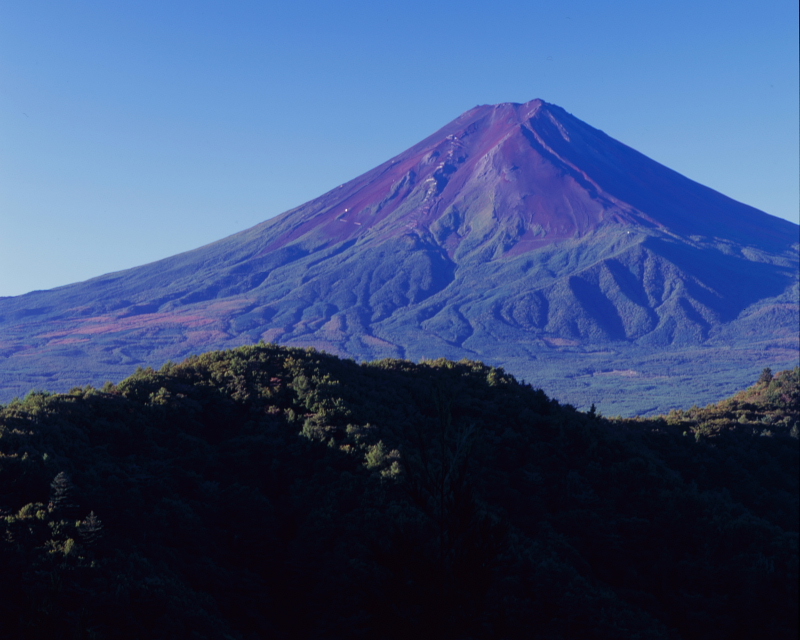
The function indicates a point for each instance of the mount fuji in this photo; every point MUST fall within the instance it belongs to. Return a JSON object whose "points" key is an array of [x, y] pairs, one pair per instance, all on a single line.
{"points": [[517, 235]]}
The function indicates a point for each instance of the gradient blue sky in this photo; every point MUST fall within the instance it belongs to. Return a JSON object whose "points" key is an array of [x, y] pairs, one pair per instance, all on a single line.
{"points": [[131, 131]]}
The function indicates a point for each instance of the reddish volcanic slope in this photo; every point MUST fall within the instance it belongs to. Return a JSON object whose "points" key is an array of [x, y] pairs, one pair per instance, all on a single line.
{"points": [[488, 168], [517, 234], [531, 171]]}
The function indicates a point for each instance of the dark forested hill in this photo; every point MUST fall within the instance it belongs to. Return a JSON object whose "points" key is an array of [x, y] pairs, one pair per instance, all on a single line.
{"points": [[270, 492]]}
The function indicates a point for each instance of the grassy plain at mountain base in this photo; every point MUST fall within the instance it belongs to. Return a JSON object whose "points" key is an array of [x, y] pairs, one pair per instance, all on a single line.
{"points": [[285, 493]]}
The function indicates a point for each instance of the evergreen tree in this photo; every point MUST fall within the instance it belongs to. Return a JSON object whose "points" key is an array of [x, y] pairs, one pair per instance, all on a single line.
{"points": [[90, 530], [62, 496]]}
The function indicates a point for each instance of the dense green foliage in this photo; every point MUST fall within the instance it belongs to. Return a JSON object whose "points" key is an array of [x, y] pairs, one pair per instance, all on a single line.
{"points": [[268, 492]]}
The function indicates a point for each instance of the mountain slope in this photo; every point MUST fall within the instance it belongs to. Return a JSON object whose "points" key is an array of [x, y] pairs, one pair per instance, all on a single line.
{"points": [[516, 234]]}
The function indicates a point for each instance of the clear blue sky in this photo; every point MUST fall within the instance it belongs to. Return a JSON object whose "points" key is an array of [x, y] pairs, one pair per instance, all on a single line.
{"points": [[131, 131]]}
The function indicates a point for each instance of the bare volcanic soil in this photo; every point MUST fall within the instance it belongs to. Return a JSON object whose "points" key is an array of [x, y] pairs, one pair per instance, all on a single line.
{"points": [[517, 235]]}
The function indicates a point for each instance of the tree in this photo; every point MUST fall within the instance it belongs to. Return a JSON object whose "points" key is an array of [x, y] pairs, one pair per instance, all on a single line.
{"points": [[90, 530], [62, 500]]}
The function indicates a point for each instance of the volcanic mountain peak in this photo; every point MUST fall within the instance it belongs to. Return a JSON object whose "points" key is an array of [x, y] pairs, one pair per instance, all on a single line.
{"points": [[516, 234], [491, 168], [516, 177]]}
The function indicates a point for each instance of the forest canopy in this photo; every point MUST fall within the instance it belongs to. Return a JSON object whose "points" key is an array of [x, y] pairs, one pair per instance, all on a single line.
{"points": [[286, 493]]}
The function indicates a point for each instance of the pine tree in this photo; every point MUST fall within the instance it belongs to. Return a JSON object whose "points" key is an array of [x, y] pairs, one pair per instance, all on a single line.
{"points": [[90, 530], [62, 499]]}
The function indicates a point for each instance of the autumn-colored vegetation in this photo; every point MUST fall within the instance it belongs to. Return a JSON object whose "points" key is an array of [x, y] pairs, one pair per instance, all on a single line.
{"points": [[268, 492]]}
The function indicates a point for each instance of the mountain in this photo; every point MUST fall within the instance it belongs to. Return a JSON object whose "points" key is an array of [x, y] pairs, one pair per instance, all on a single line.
{"points": [[274, 492], [517, 235]]}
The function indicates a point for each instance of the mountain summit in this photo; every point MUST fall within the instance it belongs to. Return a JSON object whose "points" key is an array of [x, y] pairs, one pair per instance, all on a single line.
{"points": [[517, 235], [518, 177]]}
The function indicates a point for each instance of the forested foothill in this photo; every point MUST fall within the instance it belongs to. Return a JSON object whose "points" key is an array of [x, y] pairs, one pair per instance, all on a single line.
{"points": [[271, 492]]}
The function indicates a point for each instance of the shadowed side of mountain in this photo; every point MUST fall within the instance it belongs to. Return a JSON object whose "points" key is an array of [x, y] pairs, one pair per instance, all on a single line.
{"points": [[674, 202]]}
